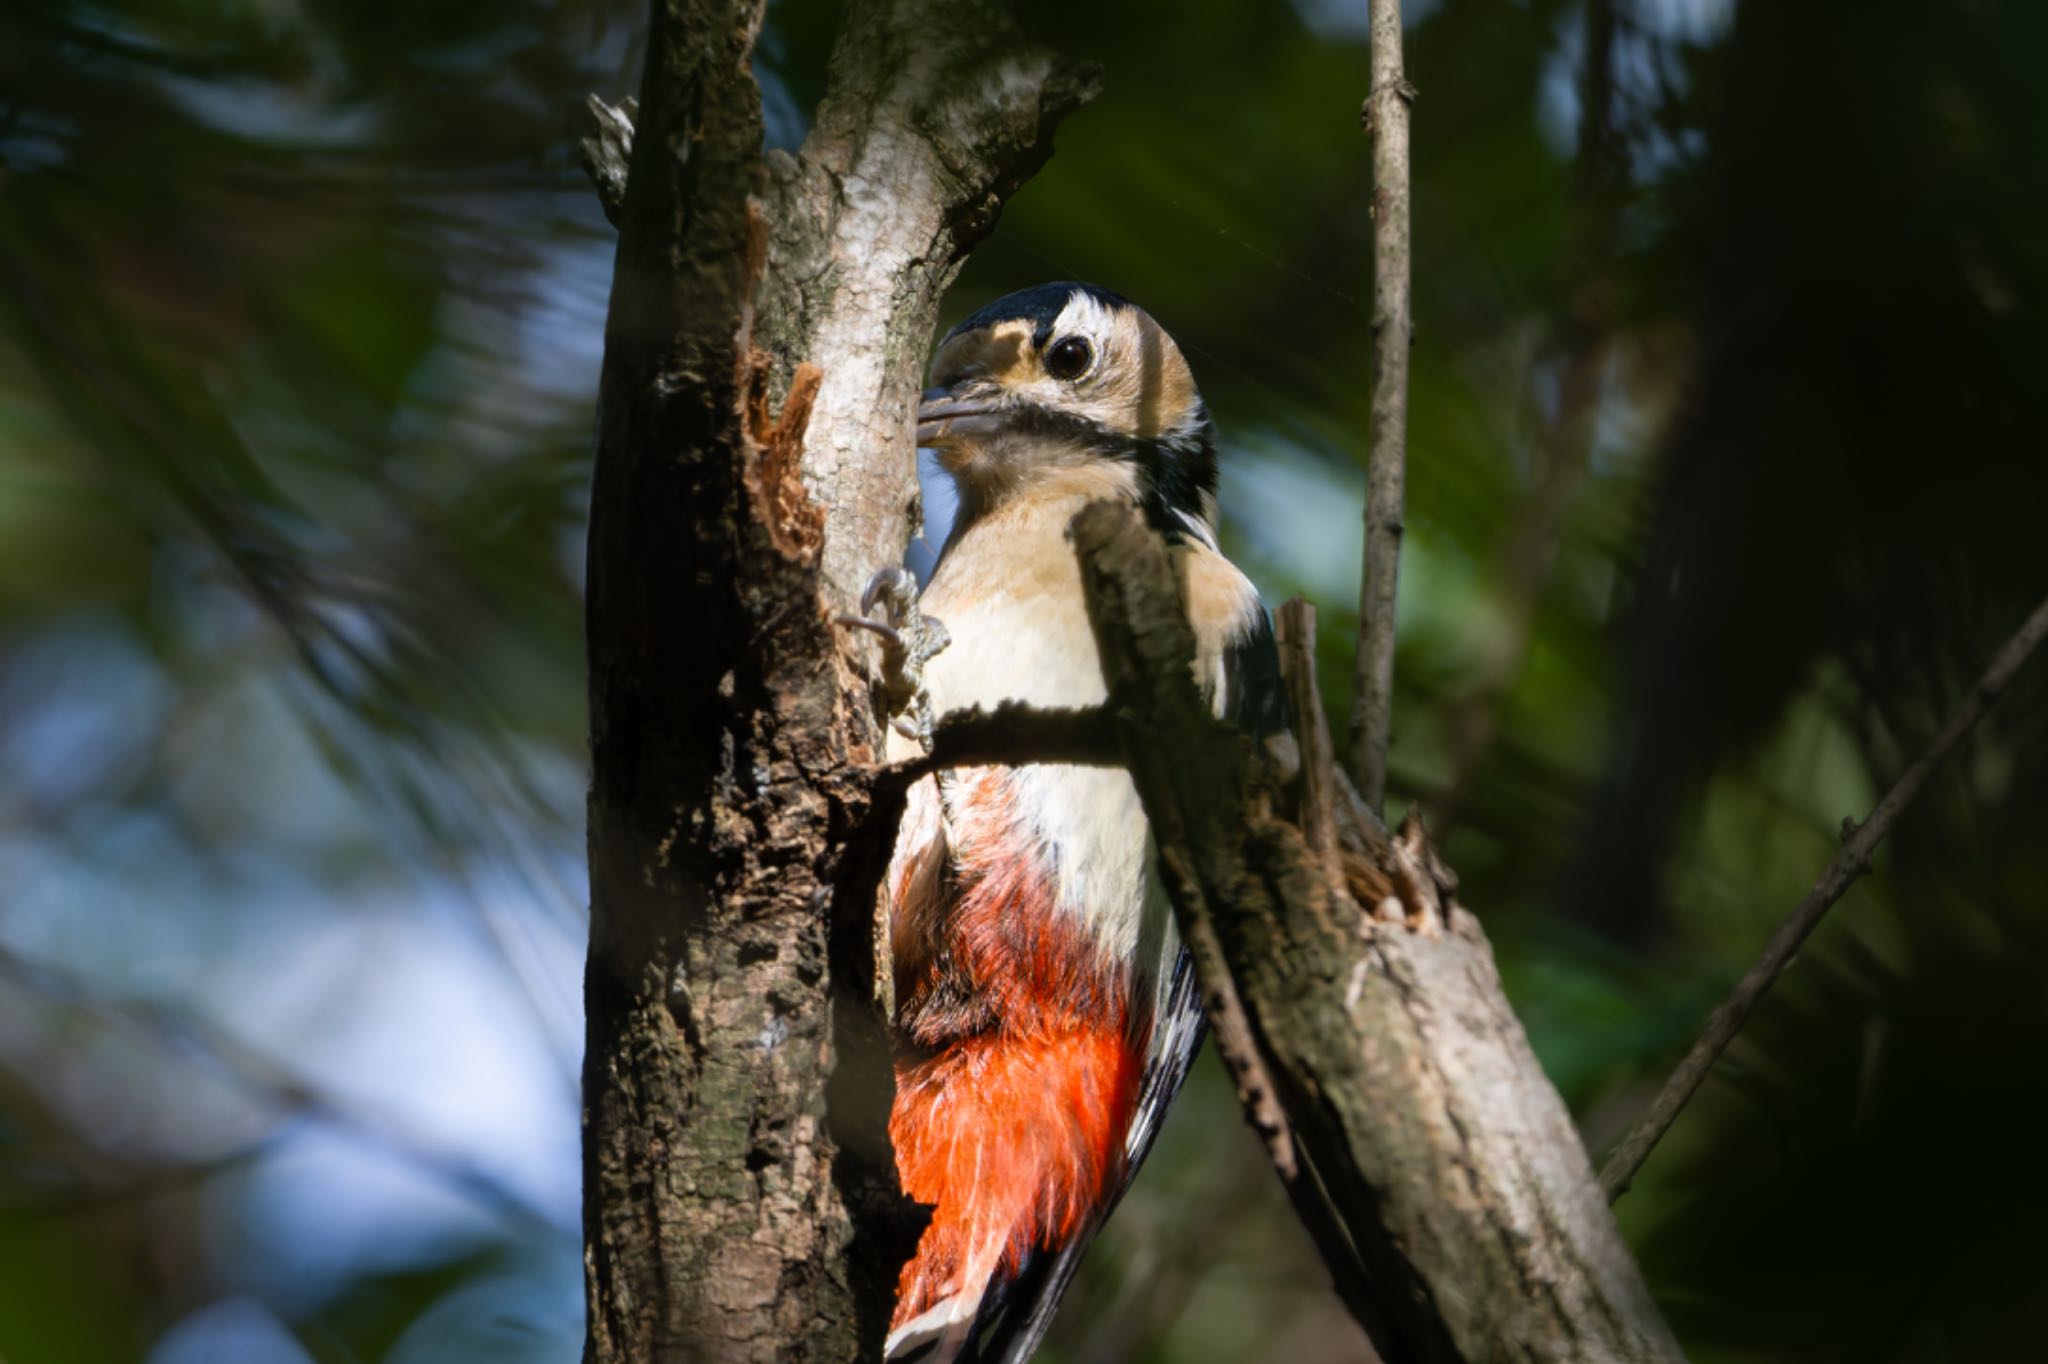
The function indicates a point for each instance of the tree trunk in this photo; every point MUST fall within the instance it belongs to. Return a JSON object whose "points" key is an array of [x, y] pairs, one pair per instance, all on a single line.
{"points": [[769, 320]]}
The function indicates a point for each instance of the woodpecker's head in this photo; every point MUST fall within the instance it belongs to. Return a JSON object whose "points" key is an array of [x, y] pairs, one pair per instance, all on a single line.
{"points": [[1063, 375]]}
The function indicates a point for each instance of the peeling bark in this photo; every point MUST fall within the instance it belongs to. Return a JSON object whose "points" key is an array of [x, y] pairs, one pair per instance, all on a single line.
{"points": [[935, 111], [769, 320]]}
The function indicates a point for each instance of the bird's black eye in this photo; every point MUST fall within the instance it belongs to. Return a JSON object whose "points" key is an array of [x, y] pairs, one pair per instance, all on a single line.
{"points": [[1067, 358]]}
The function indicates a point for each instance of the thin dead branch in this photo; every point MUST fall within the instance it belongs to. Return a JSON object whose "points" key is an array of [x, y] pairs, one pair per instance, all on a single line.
{"points": [[1012, 734], [1319, 797], [1386, 124], [1852, 861]]}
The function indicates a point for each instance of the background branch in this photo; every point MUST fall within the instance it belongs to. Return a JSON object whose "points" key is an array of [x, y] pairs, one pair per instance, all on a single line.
{"points": [[1859, 842], [1386, 125]]}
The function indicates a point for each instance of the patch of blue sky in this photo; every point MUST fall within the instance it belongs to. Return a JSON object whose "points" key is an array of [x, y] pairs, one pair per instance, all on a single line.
{"points": [[398, 1014], [784, 122], [941, 505]]}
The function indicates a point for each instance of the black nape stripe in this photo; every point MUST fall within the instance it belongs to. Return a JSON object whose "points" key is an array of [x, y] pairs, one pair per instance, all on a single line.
{"points": [[1040, 305], [1179, 476], [1176, 473], [1254, 695]]}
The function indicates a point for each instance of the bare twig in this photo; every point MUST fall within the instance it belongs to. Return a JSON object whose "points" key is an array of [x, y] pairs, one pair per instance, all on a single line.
{"points": [[1852, 861], [1386, 123], [1319, 796], [1361, 825]]}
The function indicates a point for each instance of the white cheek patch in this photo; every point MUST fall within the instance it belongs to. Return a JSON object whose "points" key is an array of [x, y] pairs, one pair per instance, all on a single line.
{"points": [[1085, 316], [1140, 384]]}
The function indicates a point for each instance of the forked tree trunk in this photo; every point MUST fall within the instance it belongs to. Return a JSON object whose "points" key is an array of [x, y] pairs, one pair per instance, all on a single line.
{"points": [[768, 325]]}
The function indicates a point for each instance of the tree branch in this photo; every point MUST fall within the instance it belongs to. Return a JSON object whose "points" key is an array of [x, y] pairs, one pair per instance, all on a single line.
{"points": [[1445, 1157], [1296, 641], [1013, 734], [1386, 123], [1848, 864]]}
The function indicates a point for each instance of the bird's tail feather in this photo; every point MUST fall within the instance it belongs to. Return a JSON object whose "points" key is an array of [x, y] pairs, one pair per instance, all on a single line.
{"points": [[937, 1335], [1002, 1324]]}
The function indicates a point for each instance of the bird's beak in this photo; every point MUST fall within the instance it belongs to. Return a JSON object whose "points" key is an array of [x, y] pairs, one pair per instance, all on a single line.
{"points": [[949, 417]]}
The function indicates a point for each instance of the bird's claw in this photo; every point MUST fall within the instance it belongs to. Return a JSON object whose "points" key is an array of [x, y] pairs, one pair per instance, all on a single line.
{"points": [[910, 639], [889, 633], [893, 583]]}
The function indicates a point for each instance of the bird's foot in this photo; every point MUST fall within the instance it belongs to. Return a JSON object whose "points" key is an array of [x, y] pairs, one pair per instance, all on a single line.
{"points": [[910, 639]]}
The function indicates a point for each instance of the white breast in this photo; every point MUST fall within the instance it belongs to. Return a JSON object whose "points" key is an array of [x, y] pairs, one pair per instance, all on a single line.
{"points": [[1009, 591]]}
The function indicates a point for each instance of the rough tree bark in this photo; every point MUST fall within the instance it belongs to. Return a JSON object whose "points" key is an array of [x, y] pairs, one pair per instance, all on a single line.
{"points": [[768, 324]]}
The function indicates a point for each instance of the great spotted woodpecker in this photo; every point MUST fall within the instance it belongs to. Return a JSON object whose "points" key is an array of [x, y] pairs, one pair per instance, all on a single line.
{"points": [[1047, 1012]]}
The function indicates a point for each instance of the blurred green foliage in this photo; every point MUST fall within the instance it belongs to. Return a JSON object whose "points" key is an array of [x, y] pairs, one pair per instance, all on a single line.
{"points": [[300, 314]]}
